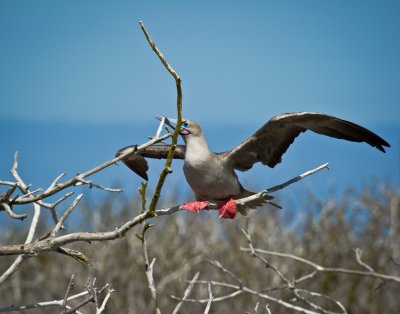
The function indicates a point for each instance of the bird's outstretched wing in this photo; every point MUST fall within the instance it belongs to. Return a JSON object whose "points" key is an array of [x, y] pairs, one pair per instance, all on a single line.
{"points": [[138, 164], [271, 141]]}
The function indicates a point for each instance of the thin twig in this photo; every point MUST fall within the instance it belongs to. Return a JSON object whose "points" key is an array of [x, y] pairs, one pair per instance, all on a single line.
{"points": [[320, 268], [69, 287], [226, 271], [65, 216], [358, 252], [92, 184], [29, 194], [55, 181], [94, 292], [167, 166], [245, 289], [186, 293], [158, 53], [256, 308], [210, 299], [15, 308], [11, 213], [298, 178], [149, 275], [103, 304], [20, 259], [79, 177], [52, 244], [263, 260], [315, 306]]}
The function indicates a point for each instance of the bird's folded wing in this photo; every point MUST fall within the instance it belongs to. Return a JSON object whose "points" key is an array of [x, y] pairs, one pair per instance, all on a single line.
{"points": [[137, 162], [271, 141]]}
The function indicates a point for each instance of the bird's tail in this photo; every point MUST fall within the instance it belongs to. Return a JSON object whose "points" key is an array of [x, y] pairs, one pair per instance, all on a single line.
{"points": [[244, 209]]}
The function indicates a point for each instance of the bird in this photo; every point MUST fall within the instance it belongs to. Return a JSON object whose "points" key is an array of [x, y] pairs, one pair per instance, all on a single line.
{"points": [[212, 176]]}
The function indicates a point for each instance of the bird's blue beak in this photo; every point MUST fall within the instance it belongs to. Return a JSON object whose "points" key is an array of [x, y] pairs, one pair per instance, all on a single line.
{"points": [[172, 123], [168, 121]]}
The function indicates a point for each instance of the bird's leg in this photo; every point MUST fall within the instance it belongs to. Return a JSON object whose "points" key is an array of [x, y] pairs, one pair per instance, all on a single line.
{"points": [[195, 206], [227, 209]]}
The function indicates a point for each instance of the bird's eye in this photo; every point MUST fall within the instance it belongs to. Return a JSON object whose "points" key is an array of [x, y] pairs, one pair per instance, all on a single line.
{"points": [[185, 125]]}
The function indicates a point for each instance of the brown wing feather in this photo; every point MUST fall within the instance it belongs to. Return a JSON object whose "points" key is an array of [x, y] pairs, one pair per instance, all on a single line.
{"points": [[270, 142], [137, 162]]}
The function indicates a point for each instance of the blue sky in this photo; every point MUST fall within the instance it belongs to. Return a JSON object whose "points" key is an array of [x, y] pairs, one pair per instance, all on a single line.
{"points": [[80, 61], [78, 79]]}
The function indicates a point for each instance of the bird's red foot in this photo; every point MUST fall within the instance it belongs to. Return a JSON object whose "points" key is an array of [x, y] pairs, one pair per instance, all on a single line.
{"points": [[227, 209], [195, 206]]}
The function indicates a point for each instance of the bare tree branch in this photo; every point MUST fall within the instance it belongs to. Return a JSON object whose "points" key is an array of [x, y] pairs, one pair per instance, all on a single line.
{"points": [[50, 244], [210, 299], [186, 293], [11, 213], [65, 216], [296, 179], [320, 268], [149, 275], [256, 308], [358, 252], [69, 287], [239, 288], [167, 167], [103, 304], [20, 259], [14, 308], [77, 179]]}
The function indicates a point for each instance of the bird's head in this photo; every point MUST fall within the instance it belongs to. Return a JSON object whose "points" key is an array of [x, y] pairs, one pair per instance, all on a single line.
{"points": [[188, 127]]}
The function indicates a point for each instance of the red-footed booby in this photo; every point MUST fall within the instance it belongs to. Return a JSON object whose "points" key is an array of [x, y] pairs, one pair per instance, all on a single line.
{"points": [[212, 176]]}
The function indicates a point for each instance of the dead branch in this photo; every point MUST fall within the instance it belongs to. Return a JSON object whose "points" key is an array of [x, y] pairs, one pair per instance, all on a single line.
{"points": [[300, 294], [186, 293], [20, 259], [291, 284], [69, 287], [210, 299], [65, 216], [149, 275], [319, 268], [92, 293], [77, 179], [52, 243]]}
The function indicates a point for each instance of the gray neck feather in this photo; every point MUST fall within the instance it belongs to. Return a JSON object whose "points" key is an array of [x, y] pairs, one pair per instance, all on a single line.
{"points": [[196, 147]]}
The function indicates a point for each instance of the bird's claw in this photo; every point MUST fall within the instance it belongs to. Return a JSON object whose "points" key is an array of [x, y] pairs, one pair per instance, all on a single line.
{"points": [[195, 206], [227, 209]]}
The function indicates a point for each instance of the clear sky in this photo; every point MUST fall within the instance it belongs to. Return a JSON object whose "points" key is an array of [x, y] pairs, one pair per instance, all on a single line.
{"points": [[240, 61], [78, 81]]}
